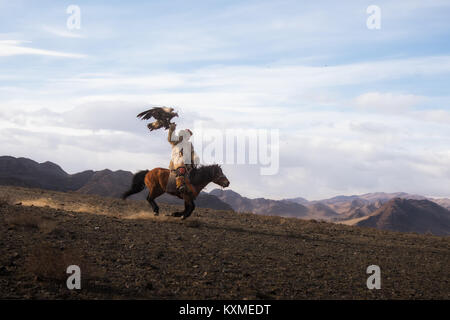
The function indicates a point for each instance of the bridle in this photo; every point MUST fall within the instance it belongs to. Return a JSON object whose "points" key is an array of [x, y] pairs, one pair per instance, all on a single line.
{"points": [[222, 176]]}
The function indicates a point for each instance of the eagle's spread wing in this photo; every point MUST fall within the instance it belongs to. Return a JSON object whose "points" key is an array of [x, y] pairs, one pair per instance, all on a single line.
{"points": [[162, 115]]}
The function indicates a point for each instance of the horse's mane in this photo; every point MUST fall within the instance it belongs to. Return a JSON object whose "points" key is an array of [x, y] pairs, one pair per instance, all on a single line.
{"points": [[203, 173]]}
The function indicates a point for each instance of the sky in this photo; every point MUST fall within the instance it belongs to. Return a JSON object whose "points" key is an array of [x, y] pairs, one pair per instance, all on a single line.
{"points": [[357, 109]]}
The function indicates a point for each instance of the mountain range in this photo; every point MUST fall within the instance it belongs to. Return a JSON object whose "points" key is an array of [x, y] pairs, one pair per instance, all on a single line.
{"points": [[24, 172], [261, 205], [391, 211], [388, 211], [409, 215]]}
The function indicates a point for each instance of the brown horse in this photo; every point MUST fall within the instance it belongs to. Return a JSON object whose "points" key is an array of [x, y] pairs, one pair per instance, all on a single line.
{"points": [[156, 182]]}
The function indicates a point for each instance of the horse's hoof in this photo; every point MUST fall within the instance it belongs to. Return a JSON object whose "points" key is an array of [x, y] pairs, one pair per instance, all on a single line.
{"points": [[156, 214], [177, 214]]}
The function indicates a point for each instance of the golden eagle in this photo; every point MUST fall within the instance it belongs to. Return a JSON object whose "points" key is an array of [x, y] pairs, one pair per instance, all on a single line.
{"points": [[162, 116]]}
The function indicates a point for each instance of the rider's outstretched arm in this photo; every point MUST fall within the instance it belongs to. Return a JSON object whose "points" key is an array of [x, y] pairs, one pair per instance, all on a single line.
{"points": [[172, 136]]}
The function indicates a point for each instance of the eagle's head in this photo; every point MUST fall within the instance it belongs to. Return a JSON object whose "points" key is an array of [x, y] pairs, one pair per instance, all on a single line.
{"points": [[167, 109]]}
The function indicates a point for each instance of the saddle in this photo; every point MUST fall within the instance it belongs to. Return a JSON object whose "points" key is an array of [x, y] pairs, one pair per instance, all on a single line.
{"points": [[171, 183], [171, 186]]}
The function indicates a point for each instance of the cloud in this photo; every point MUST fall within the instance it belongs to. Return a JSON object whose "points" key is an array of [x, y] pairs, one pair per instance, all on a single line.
{"points": [[390, 102], [62, 33], [14, 48], [330, 162], [263, 81], [328, 146], [323, 153]]}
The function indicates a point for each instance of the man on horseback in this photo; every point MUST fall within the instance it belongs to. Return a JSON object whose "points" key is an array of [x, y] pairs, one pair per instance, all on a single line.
{"points": [[183, 157], [183, 160]]}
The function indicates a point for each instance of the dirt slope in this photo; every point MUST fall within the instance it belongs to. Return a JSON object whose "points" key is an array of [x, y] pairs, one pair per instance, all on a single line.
{"points": [[125, 252]]}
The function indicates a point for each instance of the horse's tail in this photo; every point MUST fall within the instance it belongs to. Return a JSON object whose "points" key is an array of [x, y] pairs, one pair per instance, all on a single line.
{"points": [[137, 185]]}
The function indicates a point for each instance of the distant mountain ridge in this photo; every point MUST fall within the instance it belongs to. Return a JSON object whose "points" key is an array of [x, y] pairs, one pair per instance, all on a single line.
{"points": [[367, 198], [354, 206], [442, 202], [25, 172], [390, 211], [260, 205], [409, 215]]}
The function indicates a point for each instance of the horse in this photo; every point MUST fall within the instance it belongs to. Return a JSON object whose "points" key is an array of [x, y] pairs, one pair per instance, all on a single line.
{"points": [[196, 180]]}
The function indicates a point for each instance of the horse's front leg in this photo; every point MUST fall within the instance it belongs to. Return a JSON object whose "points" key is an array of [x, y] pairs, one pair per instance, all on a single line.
{"points": [[183, 214], [179, 213], [189, 207]]}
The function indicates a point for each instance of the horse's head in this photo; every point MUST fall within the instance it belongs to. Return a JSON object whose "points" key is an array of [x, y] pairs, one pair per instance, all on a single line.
{"points": [[219, 177], [203, 175]]}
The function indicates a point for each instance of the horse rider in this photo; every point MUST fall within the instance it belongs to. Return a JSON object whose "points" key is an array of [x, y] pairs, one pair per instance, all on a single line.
{"points": [[183, 157]]}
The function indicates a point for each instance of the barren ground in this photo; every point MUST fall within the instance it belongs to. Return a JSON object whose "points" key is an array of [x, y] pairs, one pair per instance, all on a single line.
{"points": [[125, 252]]}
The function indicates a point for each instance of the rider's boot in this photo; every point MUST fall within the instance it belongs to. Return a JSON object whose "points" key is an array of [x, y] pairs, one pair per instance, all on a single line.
{"points": [[181, 184]]}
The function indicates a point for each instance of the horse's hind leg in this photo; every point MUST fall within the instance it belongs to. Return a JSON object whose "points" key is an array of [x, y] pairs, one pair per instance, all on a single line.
{"points": [[154, 191], [154, 205]]}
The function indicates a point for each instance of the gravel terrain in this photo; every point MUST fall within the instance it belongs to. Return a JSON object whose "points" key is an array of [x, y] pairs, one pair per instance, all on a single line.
{"points": [[125, 252]]}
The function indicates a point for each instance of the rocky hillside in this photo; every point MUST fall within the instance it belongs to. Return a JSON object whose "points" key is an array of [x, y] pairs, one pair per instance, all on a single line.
{"points": [[28, 173], [443, 203], [320, 210], [407, 215]]}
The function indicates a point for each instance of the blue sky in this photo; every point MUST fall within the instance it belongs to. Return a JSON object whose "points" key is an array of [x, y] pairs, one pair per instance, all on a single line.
{"points": [[358, 110]]}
